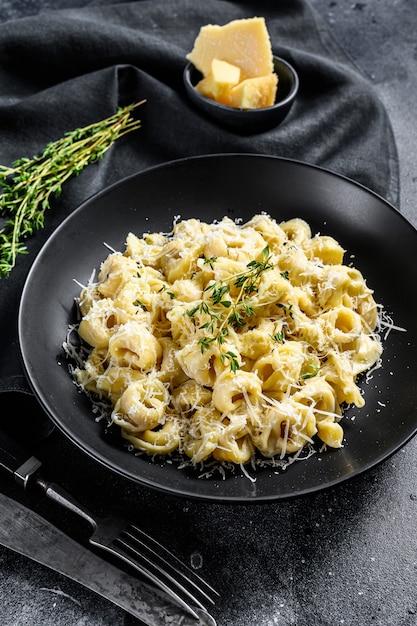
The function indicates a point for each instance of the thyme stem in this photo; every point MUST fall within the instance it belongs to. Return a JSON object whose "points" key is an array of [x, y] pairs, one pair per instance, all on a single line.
{"points": [[29, 185]]}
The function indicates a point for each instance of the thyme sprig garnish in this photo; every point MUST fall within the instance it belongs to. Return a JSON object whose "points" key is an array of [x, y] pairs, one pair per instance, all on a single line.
{"points": [[278, 337], [224, 310], [29, 185], [311, 371]]}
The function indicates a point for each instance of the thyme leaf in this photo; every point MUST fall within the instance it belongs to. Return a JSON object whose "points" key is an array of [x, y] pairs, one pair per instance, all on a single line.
{"points": [[278, 337], [231, 358], [312, 371]]}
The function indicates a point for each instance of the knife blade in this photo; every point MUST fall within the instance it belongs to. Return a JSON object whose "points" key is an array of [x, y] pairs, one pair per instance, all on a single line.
{"points": [[24, 531]]}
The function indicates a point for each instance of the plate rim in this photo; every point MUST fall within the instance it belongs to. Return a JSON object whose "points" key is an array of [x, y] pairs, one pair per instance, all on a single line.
{"points": [[101, 459]]}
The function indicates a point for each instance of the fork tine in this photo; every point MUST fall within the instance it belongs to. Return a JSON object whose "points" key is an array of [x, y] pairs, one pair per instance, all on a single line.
{"points": [[169, 560], [160, 573], [171, 590]]}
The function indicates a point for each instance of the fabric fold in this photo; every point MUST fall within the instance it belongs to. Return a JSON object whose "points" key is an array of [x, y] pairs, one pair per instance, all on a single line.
{"points": [[62, 70]]}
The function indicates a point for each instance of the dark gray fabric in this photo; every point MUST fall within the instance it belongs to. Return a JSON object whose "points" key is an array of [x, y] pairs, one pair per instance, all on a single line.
{"points": [[65, 69]]}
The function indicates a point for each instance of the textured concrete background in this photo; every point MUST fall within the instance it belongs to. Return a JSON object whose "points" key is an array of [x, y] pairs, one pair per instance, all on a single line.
{"points": [[350, 557], [380, 37]]}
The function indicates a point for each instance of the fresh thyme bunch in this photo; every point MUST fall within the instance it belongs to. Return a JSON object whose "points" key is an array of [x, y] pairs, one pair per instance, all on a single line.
{"points": [[28, 186], [225, 311]]}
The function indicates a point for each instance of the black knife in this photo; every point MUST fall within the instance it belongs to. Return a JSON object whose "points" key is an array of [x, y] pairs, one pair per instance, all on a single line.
{"points": [[12, 455], [24, 531]]}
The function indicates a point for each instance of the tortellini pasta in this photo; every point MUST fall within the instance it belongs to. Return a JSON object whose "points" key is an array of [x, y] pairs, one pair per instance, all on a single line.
{"points": [[228, 341]]}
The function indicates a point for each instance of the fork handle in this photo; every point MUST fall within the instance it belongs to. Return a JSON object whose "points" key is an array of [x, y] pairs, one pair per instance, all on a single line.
{"points": [[61, 496], [25, 469]]}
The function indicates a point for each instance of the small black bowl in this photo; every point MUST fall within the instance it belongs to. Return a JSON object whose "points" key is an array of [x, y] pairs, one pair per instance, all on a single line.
{"points": [[248, 121]]}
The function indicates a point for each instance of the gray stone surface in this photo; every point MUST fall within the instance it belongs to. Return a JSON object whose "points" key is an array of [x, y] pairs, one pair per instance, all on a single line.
{"points": [[345, 557], [380, 37]]}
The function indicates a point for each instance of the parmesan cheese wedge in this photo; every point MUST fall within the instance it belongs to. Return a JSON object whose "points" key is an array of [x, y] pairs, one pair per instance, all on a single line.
{"points": [[244, 43], [222, 77], [252, 93], [237, 64]]}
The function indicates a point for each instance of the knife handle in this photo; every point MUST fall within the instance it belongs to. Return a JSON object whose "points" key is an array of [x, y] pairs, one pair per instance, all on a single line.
{"points": [[12, 454], [15, 460], [25, 471]]}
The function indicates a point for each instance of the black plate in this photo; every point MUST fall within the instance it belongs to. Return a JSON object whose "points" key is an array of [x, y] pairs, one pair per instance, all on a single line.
{"points": [[383, 245]]}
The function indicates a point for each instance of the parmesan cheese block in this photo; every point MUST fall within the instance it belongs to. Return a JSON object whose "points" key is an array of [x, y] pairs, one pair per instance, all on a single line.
{"points": [[252, 93], [244, 43], [222, 76]]}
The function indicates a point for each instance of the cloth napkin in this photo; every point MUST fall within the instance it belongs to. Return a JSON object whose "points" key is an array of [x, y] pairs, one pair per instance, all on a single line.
{"points": [[65, 69]]}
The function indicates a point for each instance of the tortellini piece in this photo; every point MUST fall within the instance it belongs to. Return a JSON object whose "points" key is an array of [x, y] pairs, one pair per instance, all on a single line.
{"points": [[203, 432], [282, 367], [225, 241], [330, 432], [101, 322], [179, 259], [326, 249], [133, 345], [231, 390], [233, 448], [164, 440], [228, 342], [115, 272], [114, 380], [196, 364], [142, 405], [145, 250], [288, 427]]}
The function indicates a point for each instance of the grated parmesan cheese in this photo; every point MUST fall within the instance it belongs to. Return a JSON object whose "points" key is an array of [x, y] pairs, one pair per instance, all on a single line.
{"points": [[228, 343]]}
